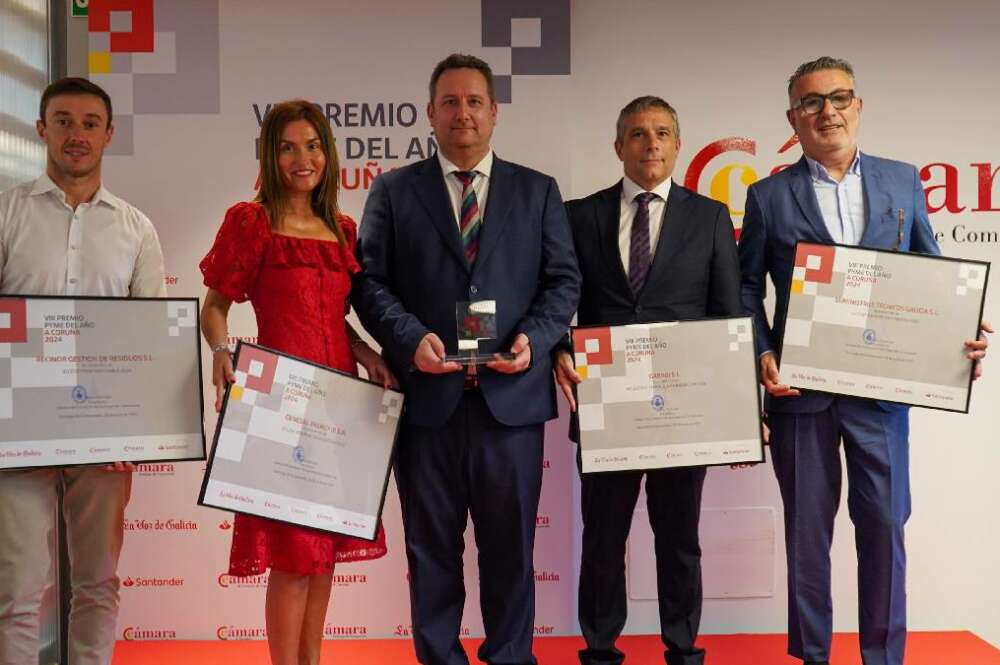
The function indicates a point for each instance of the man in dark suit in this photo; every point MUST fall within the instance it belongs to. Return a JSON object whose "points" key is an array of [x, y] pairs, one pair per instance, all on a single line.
{"points": [[835, 193], [462, 226], [649, 250]]}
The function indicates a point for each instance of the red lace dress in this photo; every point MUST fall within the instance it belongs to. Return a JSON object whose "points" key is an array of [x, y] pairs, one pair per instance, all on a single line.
{"points": [[298, 288]]}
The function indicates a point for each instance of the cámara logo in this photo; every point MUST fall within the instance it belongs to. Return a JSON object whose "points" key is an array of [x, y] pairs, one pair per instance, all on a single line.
{"points": [[226, 581], [133, 633], [732, 174], [241, 633]]}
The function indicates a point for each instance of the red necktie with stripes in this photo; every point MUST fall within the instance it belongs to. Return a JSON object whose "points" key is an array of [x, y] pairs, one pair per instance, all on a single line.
{"points": [[470, 220]]}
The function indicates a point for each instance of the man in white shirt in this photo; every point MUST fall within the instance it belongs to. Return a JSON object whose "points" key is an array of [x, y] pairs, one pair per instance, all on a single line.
{"points": [[65, 234], [649, 250]]}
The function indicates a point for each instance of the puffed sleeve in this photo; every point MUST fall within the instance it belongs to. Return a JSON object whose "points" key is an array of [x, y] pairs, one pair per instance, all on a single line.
{"points": [[350, 229], [231, 266]]}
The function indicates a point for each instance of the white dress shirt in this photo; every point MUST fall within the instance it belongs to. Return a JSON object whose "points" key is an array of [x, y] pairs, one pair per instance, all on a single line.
{"points": [[842, 204], [105, 247], [481, 185], [629, 206]]}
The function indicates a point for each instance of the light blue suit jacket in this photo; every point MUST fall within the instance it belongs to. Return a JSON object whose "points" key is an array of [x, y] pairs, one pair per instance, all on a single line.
{"points": [[782, 209]]}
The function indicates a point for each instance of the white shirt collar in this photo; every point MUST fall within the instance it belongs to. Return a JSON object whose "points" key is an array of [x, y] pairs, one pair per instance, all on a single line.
{"points": [[819, 172], [44, 184], [484, 167], [630, 189]]}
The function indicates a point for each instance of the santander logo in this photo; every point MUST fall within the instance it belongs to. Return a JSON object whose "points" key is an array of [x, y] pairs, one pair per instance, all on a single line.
{"points": [[151, 582]]}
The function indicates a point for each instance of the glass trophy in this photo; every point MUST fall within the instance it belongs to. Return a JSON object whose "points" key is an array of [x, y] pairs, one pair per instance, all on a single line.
{"points": [[477, 323]]}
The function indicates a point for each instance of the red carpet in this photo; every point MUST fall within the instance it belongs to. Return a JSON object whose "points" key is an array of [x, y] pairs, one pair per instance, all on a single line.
{"points": [[923, 648]]}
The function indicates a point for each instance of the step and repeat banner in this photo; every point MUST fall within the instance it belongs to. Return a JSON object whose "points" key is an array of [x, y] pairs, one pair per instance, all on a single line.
{"points": [[192, 79]]}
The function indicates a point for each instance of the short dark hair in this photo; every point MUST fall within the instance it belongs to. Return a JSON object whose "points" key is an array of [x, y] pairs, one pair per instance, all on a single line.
{"points": [[462, 61], [645, 103], [819, 64], [72, 85]]}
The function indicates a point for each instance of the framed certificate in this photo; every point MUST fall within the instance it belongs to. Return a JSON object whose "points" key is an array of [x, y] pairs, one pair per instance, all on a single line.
{"points": [[86, 380], [883, 324], [662, 395], [302, 443]]}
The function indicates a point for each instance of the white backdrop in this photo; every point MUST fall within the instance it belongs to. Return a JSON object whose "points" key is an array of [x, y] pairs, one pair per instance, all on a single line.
{"points": [[188, 95]]}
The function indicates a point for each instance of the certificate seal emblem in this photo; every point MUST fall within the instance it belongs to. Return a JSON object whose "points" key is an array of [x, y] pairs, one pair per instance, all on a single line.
{"points": [[299, 454], [79, 394], [868, 336], [657, 402]]}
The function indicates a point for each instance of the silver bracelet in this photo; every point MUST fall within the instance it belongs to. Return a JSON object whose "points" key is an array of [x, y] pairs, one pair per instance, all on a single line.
{"points": [[220, 347]]}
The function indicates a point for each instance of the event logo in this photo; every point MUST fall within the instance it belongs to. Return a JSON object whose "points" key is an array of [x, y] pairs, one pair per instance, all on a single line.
{"points": [[154, 60], [731, 173], [227, 581], [406, 630], [349, 580], [79, 394], [168, 524], [132, 633], [546, 576], [331, 630], [159, 469], [537, 34], [225, 525], [151, 582], [657, 402], [241, 633]]}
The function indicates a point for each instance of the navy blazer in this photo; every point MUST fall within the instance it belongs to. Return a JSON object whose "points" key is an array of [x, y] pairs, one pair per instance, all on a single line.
{"points": [[414, 271], [782, 209]]}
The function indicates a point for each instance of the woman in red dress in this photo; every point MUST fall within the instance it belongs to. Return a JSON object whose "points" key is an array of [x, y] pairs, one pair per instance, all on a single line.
{"points": [[291, 254]]}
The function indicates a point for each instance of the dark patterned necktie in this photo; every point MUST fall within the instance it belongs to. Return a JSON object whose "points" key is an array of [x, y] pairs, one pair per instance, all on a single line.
{"points": [[639, 255], [469, 218]]}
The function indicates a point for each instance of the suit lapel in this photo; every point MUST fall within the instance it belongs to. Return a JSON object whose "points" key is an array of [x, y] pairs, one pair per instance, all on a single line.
{"points": [[498, 201], [429, 187], [671, 228], [609, 214], [878, 203], [805, 196]]}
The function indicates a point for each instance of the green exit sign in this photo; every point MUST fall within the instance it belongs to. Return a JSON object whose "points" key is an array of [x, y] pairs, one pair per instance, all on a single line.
{"points": [[79, 7]]}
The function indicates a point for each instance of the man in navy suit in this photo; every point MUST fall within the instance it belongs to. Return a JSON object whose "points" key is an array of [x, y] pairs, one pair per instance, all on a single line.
{"points": [[649, 250], [835, 193], [467, 226]]}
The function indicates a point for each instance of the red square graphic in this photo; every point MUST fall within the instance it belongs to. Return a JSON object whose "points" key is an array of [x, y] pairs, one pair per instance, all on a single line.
{"points": [[16, 332], [262, 383], [140, 40], [825, 253], [603, 355]]}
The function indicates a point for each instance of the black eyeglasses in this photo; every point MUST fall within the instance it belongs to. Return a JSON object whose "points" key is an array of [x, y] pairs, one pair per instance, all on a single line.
{"points": [[813, 104]]}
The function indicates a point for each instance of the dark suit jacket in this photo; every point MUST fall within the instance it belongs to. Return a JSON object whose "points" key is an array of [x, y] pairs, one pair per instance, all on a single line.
{"points": [[694, 273], [414, 271], [783, 209]]}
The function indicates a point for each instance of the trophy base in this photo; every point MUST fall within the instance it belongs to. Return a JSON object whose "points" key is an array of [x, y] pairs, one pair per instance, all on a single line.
{"points": [[478, 359]]}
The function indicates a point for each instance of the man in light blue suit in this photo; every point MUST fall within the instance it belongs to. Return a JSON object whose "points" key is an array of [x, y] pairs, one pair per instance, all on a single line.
{"points": [[835, 193]]}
